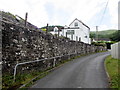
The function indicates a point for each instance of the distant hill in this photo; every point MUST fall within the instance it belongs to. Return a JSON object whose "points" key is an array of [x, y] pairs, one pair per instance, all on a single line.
{"points": [[113, 35], [102, 34]]}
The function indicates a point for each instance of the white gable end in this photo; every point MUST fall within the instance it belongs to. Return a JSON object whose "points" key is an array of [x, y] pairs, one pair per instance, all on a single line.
{"points": [[75, 23], [81, 31]]}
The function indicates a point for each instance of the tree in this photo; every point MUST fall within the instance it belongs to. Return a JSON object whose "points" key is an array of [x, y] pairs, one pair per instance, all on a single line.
{"points": [[115, 36]]}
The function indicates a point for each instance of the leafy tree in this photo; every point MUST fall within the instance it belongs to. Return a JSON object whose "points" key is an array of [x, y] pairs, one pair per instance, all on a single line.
{"points": [[115, 36]]}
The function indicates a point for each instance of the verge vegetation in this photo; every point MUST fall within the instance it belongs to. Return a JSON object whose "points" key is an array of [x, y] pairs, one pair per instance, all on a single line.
{"points": [[112, 69]]}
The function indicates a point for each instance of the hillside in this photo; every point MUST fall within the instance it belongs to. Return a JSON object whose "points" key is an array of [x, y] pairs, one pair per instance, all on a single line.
{"points": [[102, 34], [113, 35]]}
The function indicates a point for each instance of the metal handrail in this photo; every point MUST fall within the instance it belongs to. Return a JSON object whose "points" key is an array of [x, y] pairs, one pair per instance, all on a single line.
{"points": [[15, 69]]}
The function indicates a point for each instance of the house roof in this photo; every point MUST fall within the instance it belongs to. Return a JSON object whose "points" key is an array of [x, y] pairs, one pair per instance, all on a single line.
{"points": [[51, 28], [102, 39], [80, 22]]}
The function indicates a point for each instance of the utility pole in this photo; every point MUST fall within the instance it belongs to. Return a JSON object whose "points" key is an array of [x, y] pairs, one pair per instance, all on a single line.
{"points": [[58, 32], [26, 16], [66, 34], [80, 39], [47, 28], [97, 33]]}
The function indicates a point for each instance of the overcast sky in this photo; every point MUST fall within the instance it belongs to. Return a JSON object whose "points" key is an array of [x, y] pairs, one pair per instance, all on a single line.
{"points": [[63, 12]]}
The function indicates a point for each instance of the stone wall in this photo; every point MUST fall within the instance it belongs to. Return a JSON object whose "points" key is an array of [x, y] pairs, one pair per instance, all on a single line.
{"points": [[20, 44]]}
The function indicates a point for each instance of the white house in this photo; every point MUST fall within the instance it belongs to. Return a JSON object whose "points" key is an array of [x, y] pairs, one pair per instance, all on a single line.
{"points": [[55, 31], [77, 31]]}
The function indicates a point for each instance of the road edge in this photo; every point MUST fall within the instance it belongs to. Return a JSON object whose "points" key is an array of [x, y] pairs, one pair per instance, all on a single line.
{"points": [[56, 68], [107, 71]]}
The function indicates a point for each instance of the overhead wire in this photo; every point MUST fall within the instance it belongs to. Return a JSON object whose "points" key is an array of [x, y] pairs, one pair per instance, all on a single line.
{"points": [[103, 13]]}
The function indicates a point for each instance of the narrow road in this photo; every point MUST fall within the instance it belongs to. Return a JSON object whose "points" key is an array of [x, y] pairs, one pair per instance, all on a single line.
{"points": [[84, 72]]}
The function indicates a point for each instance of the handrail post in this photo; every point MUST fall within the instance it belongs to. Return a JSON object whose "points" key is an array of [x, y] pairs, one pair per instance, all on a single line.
{"points": [[15, 70], [54, 62]]}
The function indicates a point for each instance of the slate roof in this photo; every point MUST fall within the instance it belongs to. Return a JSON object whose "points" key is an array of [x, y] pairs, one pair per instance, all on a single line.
{"points": [[102, 39]]}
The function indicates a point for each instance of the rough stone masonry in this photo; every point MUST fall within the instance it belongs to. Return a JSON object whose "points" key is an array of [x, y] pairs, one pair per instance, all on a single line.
{"points": [[20, 44]]}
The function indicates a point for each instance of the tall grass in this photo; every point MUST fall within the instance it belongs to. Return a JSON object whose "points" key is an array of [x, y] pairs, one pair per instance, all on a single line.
{"points": [[112, 69]]}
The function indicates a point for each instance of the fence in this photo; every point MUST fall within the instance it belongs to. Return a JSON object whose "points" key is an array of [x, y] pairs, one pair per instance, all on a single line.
{"points": [[115, 50]]}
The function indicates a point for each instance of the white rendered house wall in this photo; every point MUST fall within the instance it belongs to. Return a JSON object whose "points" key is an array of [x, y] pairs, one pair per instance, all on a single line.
{"points": [[78, 31]]}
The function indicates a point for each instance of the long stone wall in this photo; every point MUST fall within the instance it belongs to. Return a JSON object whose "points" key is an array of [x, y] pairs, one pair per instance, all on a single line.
{"points": [[20, 44]]}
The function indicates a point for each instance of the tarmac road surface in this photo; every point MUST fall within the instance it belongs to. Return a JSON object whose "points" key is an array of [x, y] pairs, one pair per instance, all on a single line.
{"points": [[85, 72]]}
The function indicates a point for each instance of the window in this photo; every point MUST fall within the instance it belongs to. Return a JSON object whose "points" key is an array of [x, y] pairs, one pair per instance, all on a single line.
{"points": [[70, 31], [85, 36], [76, 24]]}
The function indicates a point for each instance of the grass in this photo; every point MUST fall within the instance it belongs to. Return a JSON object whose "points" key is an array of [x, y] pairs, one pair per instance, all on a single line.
{"points": [[8, 82], [112, 69]]}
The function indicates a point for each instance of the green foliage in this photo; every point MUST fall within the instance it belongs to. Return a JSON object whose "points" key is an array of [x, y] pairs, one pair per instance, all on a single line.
{"points": [[112, 69], [101, 43], [43, 29], [92, 35], [115, 36], [102, 34], [8, 14], [8, 82], [107, 32]]}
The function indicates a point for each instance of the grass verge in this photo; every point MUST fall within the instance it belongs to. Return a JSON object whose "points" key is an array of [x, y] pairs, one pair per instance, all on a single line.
{"points": [[8, 82], [112, 69]]}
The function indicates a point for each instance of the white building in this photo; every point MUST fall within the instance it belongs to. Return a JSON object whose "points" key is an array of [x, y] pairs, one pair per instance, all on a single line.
{"points": [[77, 31], [55, 31]]}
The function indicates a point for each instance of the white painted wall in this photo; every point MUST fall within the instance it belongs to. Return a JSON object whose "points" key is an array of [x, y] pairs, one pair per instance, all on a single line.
{"points": [[115, 50], [56, 31], [79, 33], [60, 33]]}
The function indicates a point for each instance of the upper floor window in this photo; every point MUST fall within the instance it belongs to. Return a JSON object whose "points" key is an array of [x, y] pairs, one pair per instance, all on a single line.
{"points": [[70, 32], [85, 36], [76, 24]]}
